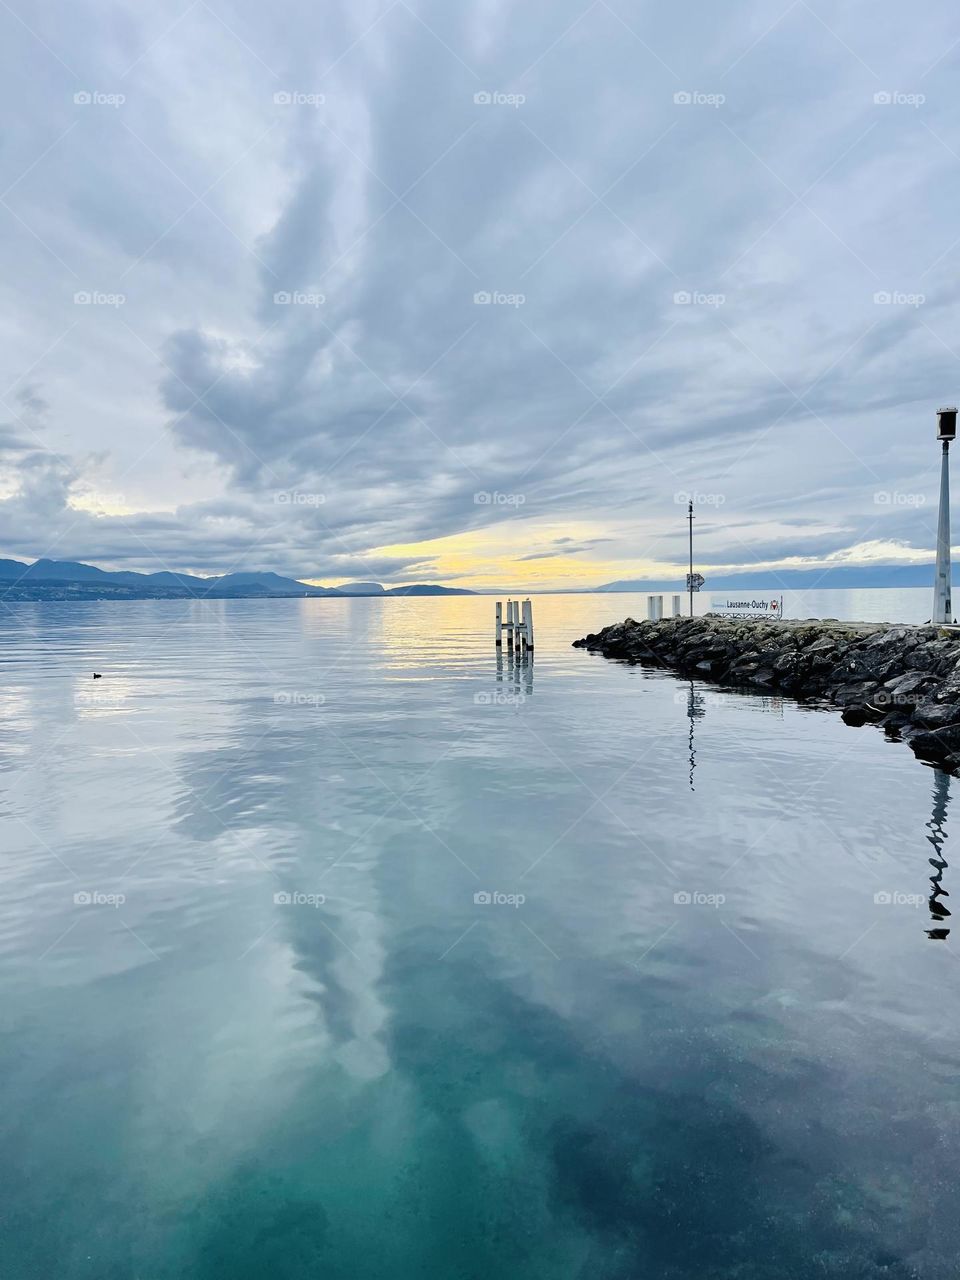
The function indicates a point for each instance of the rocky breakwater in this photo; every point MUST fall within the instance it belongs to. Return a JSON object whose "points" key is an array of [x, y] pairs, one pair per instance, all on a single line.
{"points": [[905, 679]]}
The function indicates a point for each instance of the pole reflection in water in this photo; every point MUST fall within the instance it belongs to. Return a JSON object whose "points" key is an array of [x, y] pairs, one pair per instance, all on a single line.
{"points": [[937, 827], [696, 710]]}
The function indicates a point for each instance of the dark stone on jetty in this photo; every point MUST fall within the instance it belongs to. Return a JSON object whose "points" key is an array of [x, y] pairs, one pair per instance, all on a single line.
{"points": [[907, 679]]}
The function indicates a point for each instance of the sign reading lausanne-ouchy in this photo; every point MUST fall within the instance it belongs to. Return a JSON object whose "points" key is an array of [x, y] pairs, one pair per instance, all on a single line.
{"points": [[744, 606]]}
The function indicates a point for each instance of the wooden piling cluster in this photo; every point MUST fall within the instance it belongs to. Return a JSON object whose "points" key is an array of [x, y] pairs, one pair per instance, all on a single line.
{"points": [[518, 626]]}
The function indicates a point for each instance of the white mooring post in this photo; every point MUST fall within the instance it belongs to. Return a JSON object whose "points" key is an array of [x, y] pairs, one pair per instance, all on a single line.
{"points": [[518, 626], [654, 608], [676, 606]]}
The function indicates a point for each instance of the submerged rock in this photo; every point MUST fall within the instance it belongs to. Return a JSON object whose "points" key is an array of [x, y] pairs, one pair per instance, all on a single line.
{"points": [[905, 678]]}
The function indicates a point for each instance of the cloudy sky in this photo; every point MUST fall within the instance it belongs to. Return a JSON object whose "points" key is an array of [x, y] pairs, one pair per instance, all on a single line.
{"points": [[476, 291]]}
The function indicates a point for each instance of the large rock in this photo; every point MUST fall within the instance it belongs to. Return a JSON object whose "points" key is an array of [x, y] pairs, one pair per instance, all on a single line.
{"points": [[824, 645], [935, 715], [935, 745], [904, 686], [853, 694]]}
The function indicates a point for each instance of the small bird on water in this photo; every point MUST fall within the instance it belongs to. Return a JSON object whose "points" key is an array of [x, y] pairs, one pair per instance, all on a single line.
{"points": [[97, 675]]}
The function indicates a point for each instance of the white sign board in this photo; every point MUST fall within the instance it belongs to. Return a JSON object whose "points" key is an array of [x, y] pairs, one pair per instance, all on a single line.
{"points": [[745, 605]]}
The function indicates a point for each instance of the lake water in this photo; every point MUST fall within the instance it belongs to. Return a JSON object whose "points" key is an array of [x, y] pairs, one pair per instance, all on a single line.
{"points": [[330, 946]]}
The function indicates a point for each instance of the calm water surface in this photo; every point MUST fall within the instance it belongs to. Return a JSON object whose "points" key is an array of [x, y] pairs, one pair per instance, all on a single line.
{"points": [[330, 947]]}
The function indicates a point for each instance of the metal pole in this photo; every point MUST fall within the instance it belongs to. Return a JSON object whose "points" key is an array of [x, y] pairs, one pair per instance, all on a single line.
{"points": [[690, 580], [942, 604]]}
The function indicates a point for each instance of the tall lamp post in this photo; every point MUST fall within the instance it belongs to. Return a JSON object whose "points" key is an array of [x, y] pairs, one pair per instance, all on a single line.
{"points": [[942, 603], [690, 577]]}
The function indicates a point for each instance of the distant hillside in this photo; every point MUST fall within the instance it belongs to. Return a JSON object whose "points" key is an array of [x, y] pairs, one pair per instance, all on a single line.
{"points": [[849, 577], [72, 580], [429, 589], [269, 584]]}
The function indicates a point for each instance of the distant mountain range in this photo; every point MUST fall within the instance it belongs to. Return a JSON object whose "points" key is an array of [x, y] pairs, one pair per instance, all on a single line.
{"points": [[847, 576], [71, 580]]}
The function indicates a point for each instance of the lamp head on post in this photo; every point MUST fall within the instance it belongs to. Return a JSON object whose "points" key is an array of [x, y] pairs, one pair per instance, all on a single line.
{"points": [[946, 424]]}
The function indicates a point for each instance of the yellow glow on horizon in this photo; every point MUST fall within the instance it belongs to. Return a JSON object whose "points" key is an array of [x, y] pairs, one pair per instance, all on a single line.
{"points": [[491, 558]]}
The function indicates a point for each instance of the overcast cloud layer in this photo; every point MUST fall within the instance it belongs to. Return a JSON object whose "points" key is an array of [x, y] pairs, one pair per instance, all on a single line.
{"points": [[247, 252]]}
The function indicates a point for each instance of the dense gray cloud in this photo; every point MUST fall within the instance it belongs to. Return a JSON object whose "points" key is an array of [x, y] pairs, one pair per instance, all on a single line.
{"points": [[292, 291]]}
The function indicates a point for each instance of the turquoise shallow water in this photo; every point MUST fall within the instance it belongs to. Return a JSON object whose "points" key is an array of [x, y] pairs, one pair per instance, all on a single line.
{"points": [[259, 1017]]}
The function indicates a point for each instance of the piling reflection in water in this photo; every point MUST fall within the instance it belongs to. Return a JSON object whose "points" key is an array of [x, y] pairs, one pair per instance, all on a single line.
{"points": [[937, 827], [518, 670]]}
